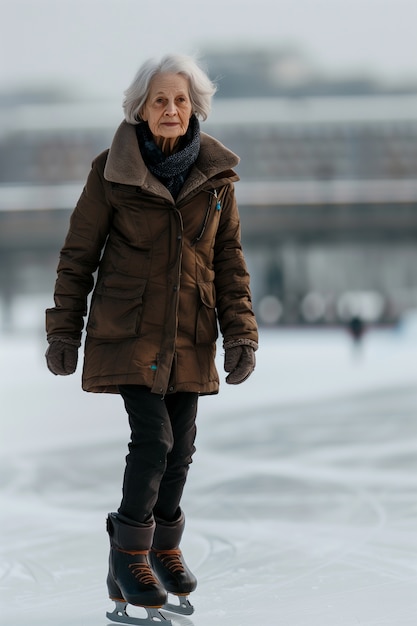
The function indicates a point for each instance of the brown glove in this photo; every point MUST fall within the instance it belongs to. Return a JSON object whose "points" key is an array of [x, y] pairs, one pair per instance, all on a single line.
{"points": [[62, 355], [239, 360]]}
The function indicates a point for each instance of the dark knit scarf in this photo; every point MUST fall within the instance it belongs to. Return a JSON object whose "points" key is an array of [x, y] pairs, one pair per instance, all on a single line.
{"points": [[171, 170]]}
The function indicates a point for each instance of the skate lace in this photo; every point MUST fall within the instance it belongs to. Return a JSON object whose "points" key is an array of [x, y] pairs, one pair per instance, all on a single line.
{"points": [[143, 573], [171, 559]]}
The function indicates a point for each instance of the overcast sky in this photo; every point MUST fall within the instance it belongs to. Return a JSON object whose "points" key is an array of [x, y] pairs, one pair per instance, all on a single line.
{"points": [[96, 46]]}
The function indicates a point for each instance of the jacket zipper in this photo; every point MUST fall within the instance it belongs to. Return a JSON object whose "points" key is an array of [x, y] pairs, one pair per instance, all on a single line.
{"points": [[206, 216]]}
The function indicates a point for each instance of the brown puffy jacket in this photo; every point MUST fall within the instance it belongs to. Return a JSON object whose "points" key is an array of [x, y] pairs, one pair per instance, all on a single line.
{"points": [[167, 270]]}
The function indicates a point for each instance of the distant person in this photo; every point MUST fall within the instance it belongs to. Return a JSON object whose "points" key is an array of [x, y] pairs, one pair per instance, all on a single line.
{"points": [[158, 218], [356, 328]]}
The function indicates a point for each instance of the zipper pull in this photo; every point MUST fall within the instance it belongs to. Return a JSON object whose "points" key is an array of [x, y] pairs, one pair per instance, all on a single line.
{"points": [[218, 204]]}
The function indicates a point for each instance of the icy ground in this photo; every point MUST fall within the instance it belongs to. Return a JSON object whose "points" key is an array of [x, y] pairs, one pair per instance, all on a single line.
{"points": [[301, 502]]}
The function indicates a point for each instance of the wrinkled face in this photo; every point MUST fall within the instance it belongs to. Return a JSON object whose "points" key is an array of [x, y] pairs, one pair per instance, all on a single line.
{"points": [[168, 107]]}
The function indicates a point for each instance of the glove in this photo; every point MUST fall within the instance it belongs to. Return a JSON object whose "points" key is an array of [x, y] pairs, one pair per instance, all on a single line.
{"points": [[62, 355], [239, 360]]}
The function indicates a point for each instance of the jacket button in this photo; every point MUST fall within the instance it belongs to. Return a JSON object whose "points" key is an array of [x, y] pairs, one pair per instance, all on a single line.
{"points": [[175, 288], [171, 388]]}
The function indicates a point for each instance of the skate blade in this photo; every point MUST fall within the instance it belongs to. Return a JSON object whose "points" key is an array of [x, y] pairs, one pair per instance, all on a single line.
{"points": [[183, 608], [120, 615]]}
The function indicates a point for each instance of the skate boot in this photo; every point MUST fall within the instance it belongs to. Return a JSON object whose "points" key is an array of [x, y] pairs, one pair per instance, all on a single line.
{"points": [[168, 564], [130, 578]]}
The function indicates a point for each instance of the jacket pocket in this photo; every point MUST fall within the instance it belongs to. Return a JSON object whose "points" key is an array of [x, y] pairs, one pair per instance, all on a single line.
{"points": [[115, 312], [206, 327]]}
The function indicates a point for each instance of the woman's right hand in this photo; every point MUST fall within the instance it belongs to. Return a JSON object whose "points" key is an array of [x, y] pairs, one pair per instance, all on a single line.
{"points": [[62, 356]]}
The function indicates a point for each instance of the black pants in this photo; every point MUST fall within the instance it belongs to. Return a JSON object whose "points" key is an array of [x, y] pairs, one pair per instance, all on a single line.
{"points": [[163, 433]]}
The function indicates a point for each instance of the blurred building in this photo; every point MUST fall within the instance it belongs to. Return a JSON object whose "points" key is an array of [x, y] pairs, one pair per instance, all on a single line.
{"points": [[328, 200]]}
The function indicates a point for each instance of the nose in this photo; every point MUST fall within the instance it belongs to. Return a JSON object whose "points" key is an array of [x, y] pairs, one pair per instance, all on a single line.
{"points": [[170, 108]]}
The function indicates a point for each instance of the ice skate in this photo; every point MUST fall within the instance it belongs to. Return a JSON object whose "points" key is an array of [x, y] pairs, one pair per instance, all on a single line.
{"points": [[173, 573], [169, 565], [130, 579]]}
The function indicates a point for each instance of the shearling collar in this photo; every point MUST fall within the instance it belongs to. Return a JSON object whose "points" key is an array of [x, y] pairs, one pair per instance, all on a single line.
{"points": [[125, 164]]}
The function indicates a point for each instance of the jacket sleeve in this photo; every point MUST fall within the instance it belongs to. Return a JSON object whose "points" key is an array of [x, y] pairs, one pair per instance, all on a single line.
{"points": [[233, 296], [79, 258]]}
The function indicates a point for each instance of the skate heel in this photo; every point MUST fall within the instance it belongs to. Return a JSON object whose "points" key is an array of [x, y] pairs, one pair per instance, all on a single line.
{"points": [[114, 589]]}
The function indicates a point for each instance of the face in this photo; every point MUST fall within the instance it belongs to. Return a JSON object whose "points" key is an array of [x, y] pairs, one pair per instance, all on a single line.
{"points": [[168, 108]]}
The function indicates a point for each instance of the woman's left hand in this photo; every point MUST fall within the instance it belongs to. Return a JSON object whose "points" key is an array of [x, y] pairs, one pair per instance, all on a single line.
{"points": [[240, 361]]}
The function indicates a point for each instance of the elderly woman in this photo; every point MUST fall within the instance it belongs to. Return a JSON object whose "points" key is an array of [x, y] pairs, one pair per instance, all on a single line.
{"points": [[158, 218]]}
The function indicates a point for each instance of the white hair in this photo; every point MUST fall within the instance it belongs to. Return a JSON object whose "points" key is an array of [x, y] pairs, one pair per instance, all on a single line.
{"points": [[201, 87]]}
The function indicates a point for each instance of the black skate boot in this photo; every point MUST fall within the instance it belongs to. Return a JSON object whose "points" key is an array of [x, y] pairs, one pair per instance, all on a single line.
{"points": [[130, 578], [168, 564]]}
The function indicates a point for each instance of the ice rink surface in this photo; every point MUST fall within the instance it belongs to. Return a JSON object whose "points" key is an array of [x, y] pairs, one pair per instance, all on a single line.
{"points": [[301, 502]]}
